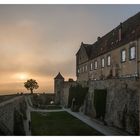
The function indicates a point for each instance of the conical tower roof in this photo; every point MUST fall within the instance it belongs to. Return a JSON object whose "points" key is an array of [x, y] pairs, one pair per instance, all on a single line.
{"points": [[59, 76]]}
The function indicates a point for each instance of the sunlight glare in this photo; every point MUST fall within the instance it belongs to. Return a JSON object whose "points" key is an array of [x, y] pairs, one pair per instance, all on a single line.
{"points": [[22, 76]]}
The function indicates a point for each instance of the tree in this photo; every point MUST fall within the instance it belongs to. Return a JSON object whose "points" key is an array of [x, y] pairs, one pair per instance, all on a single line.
{"points": [[31, 84]]}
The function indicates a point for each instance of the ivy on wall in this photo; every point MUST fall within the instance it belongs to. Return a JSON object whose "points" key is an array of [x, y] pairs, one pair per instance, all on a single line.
{"points": [[77, 95], [100, 102]]}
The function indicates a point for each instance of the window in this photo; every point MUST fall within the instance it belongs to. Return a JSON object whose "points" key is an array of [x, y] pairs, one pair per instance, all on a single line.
{"points": [[80, 70], [132, 53], [103, 62], [95, 65], [123, 55], [83, 69], [108, 60], [91, 66], [86, 68]]}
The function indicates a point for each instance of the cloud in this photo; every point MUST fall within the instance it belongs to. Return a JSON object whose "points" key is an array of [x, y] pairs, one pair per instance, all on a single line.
{"points": [[42, 40]]}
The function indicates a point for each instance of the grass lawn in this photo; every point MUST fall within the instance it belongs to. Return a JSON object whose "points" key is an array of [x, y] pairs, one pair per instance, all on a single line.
{"points": [[59, 124]]}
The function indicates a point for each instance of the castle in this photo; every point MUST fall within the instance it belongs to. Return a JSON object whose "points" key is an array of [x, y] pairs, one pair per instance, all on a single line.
{"points": [[116, 54], [110, 67]]}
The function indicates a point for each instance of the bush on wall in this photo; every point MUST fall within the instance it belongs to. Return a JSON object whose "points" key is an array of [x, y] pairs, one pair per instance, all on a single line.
{"points": [[77, 95]]}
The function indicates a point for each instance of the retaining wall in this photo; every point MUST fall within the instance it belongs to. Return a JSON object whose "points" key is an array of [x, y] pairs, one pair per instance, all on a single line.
{"points": [[122, 103], [7, 112]]}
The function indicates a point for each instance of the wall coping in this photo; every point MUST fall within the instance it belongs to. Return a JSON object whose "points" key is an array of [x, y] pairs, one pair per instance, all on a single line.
{"points": [[10, 100]]}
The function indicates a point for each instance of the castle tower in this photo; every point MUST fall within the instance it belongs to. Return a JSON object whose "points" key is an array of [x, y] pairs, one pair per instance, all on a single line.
{"points": [[58, 88]]}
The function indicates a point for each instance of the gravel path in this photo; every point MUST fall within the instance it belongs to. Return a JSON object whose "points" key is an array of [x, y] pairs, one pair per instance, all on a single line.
{"points": [[106, 130]]}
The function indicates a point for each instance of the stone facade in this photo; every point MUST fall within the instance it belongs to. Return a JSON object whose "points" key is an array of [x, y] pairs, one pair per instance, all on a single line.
{"points": [[119, 50]]}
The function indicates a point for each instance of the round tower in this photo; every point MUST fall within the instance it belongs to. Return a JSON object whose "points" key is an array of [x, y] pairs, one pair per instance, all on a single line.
{"points": [[58, 88]]}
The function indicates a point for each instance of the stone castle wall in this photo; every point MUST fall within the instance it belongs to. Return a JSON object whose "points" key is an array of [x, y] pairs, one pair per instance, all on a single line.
{"points": [[122, 103], [65, 92], [7, 112], [58, 89]]}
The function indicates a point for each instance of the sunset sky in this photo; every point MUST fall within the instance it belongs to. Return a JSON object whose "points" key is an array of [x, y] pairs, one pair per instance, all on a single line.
{"points": [[38, 41]]}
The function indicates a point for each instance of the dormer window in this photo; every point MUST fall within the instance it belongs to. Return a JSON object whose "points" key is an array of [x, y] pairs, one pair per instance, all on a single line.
{"points": [[113, 33], [120, 32]]}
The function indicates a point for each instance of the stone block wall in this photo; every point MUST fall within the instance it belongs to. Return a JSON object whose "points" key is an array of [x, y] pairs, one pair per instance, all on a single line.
{"points": [[122, 103], [65, 92], [7, 111], [58, 89]]}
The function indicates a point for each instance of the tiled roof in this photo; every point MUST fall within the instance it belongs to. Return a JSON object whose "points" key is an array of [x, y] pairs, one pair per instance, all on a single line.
{"points": [[130, 30], [59, 76], [88, 48]]}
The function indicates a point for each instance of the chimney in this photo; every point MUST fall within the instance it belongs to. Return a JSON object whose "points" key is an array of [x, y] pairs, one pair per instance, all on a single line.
{"points": [[98, 38], [81, 44]]}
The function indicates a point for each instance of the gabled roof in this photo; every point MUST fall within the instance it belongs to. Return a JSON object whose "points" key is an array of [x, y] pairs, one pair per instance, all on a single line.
{"points": [[130, 30], [59, 76], [87, 48]]}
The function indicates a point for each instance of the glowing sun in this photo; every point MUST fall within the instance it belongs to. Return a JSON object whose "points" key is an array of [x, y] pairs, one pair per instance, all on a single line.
{"points": [[22, 76]]}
